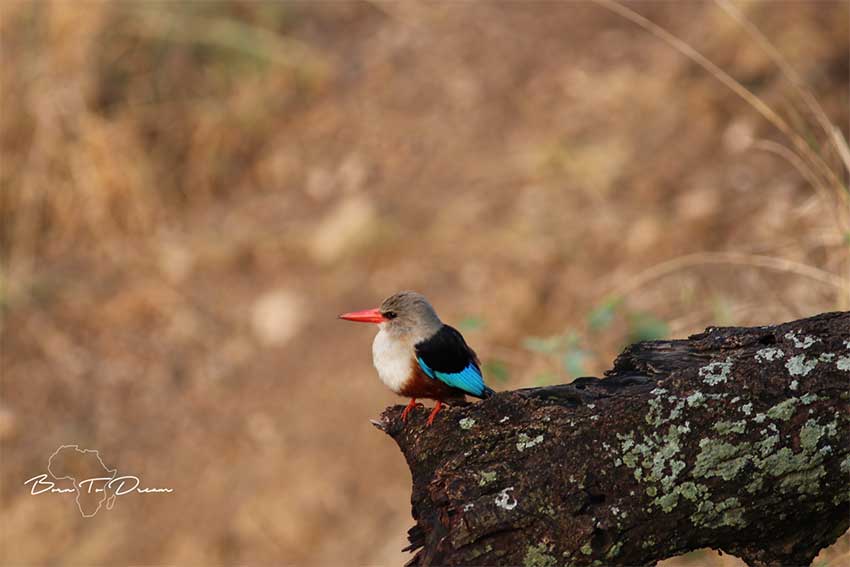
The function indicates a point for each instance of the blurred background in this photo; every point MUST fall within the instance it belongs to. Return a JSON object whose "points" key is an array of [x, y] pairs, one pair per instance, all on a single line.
{"points": [[190, 192]]}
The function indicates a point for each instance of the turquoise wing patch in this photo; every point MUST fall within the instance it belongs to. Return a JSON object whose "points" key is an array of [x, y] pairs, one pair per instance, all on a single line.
{"points": [[469, 379]]}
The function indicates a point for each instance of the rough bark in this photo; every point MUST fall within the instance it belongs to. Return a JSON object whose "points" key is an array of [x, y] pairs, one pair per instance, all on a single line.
{"points": [[736, 439]]}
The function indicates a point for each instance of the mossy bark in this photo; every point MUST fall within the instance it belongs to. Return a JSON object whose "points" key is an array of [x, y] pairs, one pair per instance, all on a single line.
{"points": [[736, 439]]}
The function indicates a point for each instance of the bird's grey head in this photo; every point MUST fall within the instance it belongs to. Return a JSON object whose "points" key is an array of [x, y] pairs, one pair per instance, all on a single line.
{"points": [[409, 313]]}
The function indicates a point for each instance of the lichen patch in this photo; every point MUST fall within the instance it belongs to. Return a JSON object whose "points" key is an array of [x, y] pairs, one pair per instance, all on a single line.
{"points": [[526, 442], [486, 477], [810, 434], [614, 551], [721, 459], [800, 366], [783, 410], [769, 354], [802, 341], [695, 400], [505, 501], [538, 556], [688, 490], [727, 427], [799, 472], [726, 513], [806, 399], [716, 372]]}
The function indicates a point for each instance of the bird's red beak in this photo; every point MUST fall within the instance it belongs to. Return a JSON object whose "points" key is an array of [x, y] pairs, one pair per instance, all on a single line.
{"points": [[367, 316]]}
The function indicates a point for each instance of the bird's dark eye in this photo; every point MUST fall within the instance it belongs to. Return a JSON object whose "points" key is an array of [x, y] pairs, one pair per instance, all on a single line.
{"points": [[390, 315]]}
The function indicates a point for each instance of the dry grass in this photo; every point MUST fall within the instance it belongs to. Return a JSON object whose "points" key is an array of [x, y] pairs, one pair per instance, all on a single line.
{"points": [[806, 157], [190, 192]]}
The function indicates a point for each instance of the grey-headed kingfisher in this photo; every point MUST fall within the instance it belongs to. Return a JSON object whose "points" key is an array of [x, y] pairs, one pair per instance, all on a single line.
{"points": [[418, 356]]}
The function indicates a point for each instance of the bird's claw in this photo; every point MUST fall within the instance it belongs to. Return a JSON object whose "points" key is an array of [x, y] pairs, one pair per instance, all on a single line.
{"points": [[434, 413], [413, 403]]}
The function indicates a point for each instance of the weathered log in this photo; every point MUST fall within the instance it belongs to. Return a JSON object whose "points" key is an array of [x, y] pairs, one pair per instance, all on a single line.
{"points": [[736, 439]]}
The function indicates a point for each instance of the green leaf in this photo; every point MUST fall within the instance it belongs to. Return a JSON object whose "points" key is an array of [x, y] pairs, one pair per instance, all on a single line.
{"points": [[574, 362], [601, 318], [722, 312], [471, 323], [571, 339], [646, 327], [497, 370], [545, 379], [547, 345]]}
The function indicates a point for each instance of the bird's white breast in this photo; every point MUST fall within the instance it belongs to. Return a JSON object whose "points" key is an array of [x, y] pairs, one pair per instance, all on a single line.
{"points": [[392, 359]]}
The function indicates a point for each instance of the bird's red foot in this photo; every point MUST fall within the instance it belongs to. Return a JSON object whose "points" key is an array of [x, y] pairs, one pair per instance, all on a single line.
{"points": [[409, 409], [434, 413]]}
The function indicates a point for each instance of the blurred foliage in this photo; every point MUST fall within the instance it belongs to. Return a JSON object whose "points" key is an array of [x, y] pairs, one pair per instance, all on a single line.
{"points": [[644, 326], [573, 351], [566, 348], [471, 323], [496, 370], [603, 316]]}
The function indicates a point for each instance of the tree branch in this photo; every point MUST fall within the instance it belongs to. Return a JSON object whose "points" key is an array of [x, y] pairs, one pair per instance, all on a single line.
{"points": [[736, 439]]}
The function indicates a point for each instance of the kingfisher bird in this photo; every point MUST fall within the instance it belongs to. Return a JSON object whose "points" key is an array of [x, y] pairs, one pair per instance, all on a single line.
{"points": [[418, 356]]}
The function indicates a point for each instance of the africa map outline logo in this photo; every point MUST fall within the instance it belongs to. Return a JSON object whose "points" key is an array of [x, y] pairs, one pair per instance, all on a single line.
{"points": [[89, 498]]}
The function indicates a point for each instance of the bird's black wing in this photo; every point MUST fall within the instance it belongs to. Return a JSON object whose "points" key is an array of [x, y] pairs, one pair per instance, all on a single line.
{"points": [[446, 357]]}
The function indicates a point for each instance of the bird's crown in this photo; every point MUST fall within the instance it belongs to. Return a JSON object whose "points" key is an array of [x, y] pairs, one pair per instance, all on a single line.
{"points": [[410, 310]]}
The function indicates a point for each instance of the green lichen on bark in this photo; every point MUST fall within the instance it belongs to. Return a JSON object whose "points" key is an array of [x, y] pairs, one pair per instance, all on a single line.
{"points": [[806, 399], [526, 442], [810, 434], [783, 410], [720, 459], [486, 477], [801, 341], [538, 556], [695, 400], [654, 459], [716, 372], [800, 366], [766, 445], [716, 515], [655, 463], [727, 427], [614, 551], [769, 354], [688, 490]]}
